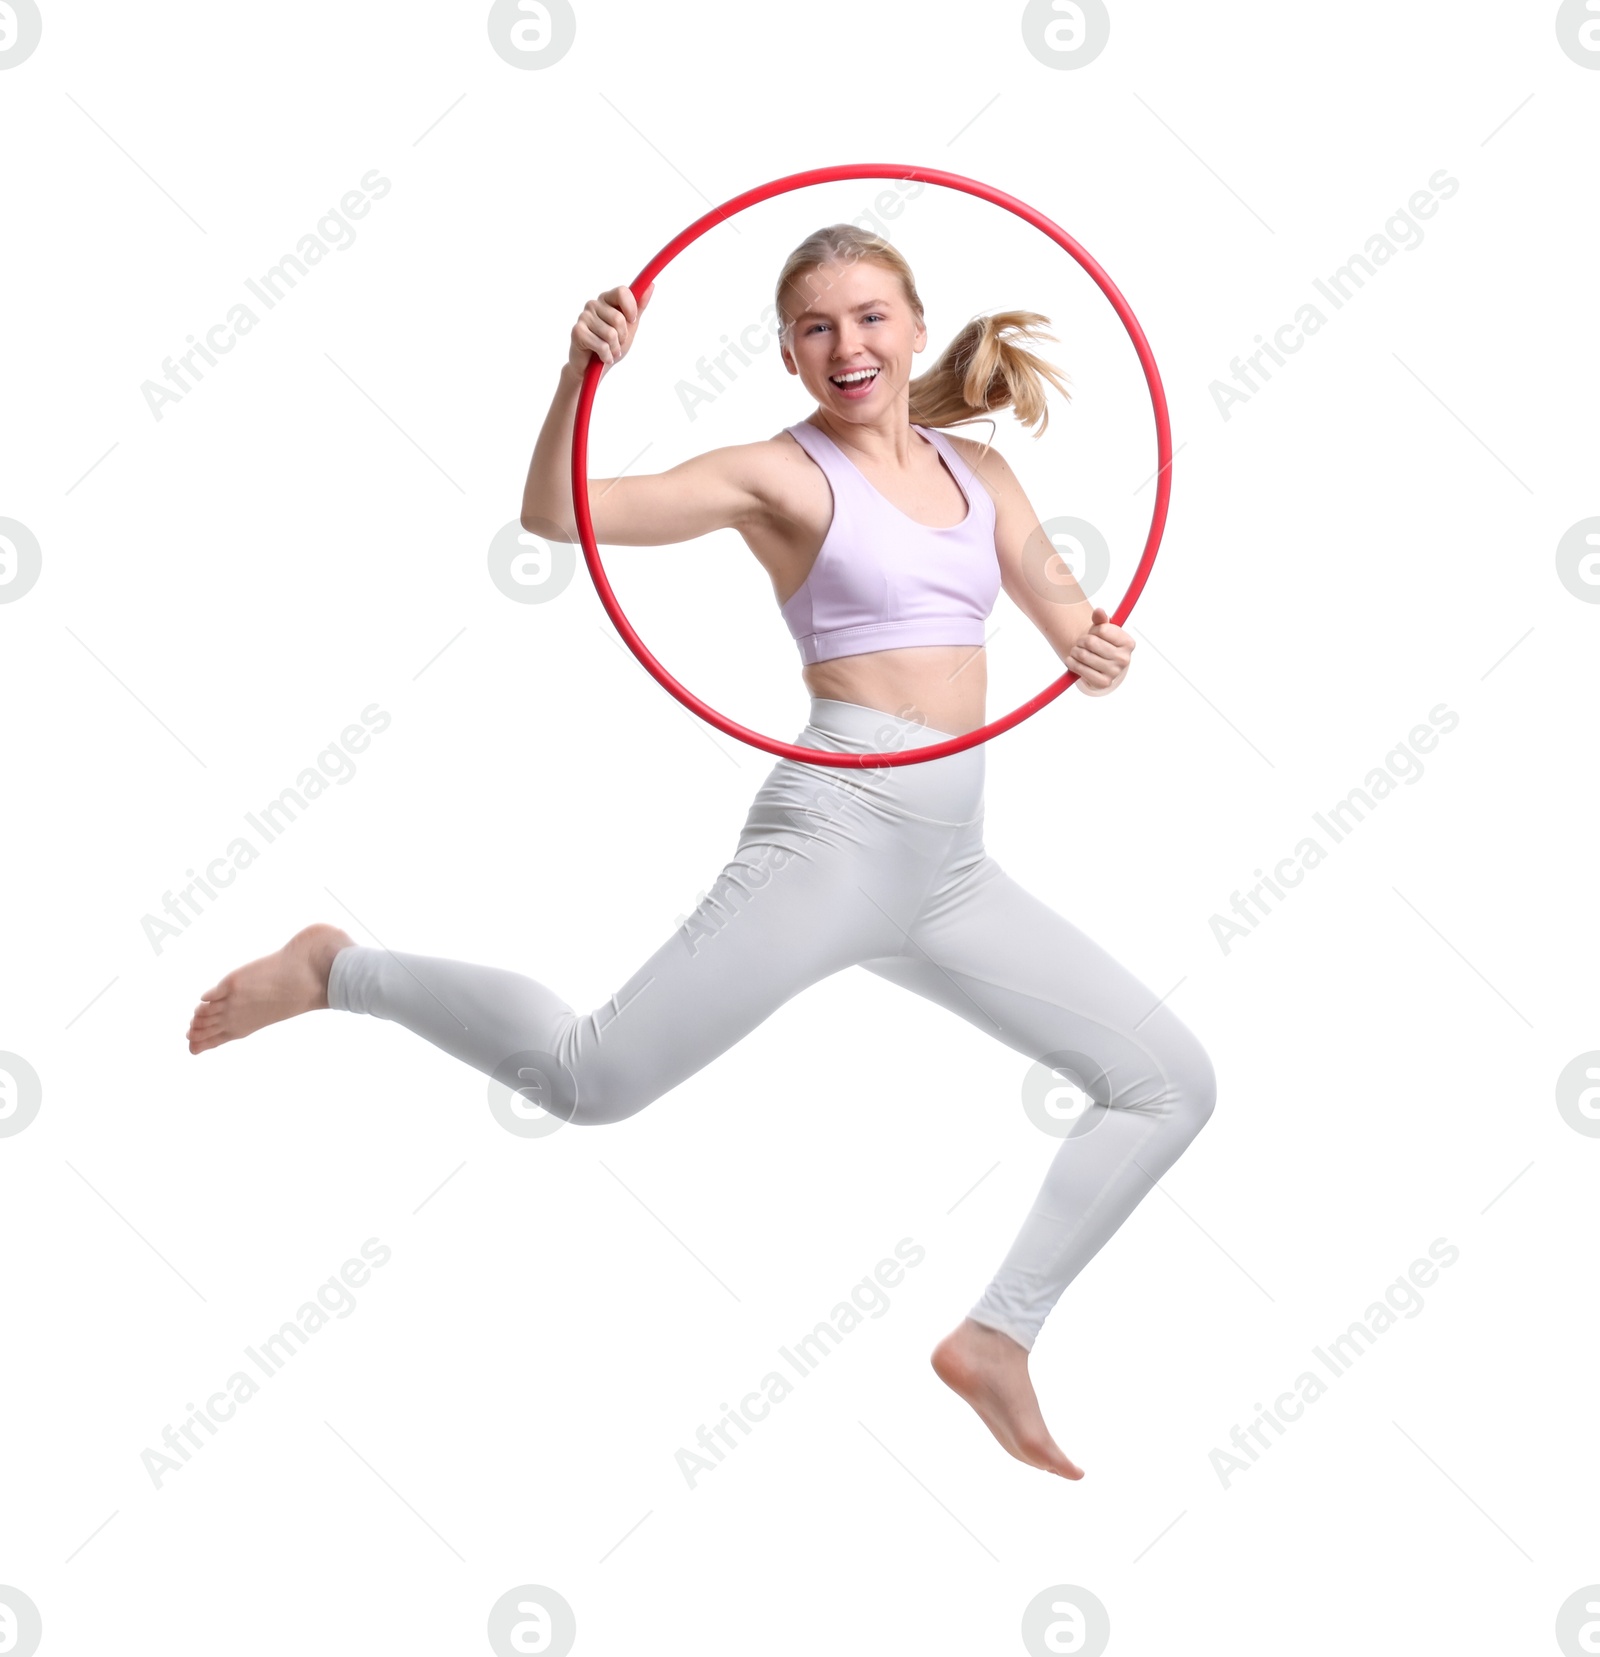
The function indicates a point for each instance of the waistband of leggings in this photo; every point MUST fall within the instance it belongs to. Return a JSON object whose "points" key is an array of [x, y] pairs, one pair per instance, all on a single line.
{"points": [[865, 730], [947, 790]]}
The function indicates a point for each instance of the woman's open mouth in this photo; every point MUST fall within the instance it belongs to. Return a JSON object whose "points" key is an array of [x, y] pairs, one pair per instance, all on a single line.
{"points": [[855, 384]]}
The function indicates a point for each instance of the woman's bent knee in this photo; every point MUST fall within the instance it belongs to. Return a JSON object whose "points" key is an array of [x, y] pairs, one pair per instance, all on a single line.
{"points": [[1194, 1080], [583, 1095], [604, 1094], [589, 1113]]}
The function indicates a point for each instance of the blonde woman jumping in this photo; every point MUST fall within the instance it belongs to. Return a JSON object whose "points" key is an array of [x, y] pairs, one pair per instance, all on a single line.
{"points": [[887, 543]]}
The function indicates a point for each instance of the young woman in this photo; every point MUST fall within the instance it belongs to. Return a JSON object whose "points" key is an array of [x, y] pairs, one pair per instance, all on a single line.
{"points": [[887, 543]]}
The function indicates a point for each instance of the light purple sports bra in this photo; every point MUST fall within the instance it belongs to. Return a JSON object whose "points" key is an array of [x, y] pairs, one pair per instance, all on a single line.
{"points": [[881, 580]]}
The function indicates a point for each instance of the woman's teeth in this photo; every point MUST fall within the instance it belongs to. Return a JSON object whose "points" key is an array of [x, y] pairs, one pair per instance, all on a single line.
{"points": [[859, 377]]}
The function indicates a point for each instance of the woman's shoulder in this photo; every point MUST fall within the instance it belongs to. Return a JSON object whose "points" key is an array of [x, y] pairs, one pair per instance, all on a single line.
{"points": [[984, 460], [782, 474], [761, 463]]}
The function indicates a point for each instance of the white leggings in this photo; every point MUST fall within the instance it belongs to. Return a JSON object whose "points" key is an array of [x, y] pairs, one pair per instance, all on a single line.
{"points": [[882, 868]]}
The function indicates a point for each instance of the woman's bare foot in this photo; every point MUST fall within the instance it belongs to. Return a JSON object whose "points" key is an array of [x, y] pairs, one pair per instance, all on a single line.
{"points": [[292, 980], [990, 1371]]}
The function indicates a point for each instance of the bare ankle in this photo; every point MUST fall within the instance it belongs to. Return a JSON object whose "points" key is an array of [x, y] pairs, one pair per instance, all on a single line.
{"points": [[323, 943]]}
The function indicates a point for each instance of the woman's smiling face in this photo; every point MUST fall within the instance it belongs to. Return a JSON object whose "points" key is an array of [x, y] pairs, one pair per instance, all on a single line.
{"points": [[853, 320]]}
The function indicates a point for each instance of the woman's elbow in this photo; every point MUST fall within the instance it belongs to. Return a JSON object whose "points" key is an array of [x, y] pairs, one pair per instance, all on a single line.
{"points": [[546, 527]]}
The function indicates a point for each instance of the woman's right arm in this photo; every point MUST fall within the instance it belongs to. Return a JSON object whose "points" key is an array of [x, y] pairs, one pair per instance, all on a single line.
{"points": [[717, 490]]}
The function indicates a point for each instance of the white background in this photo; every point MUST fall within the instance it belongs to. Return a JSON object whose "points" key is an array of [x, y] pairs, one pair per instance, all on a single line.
{"points": [[306, 533]]}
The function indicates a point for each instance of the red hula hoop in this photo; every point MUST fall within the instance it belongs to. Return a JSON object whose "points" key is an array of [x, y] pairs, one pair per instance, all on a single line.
{"points": [[580, 460]]}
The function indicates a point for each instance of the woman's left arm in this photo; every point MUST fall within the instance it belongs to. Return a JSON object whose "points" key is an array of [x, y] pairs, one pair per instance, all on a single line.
{"points": [[1036, 579]]}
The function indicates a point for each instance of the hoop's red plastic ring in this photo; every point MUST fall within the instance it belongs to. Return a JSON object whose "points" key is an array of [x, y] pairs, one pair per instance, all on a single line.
{"points": [[580, 460]]}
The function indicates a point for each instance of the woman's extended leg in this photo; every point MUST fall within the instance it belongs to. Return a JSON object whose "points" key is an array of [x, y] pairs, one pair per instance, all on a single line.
{"points": [[823, 876], [990, 951]]}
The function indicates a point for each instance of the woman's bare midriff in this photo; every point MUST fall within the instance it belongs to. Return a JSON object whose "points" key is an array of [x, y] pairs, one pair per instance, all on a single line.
{"points": [[942, 686]]}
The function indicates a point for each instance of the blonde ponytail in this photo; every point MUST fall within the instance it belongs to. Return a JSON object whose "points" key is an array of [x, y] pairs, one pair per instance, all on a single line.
{"points": [[984, 368]]}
